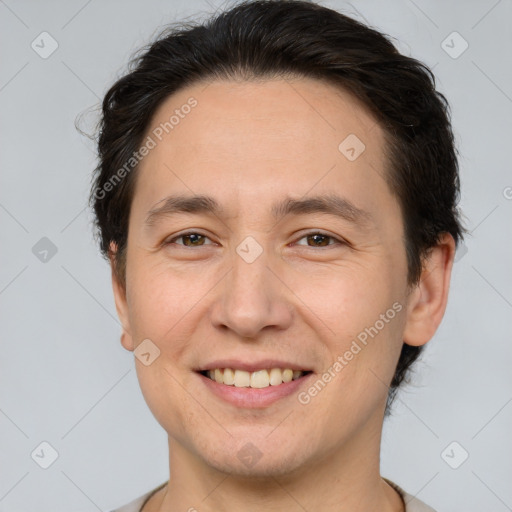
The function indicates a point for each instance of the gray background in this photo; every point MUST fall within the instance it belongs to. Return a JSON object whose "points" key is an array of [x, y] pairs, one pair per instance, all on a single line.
{"points": [[64, 377]]}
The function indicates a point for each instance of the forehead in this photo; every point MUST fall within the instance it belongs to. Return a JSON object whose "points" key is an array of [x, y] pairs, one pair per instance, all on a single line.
{"points": [[259, 137]]}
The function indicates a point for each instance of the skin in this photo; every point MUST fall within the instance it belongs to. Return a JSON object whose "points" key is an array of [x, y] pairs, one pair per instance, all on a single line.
{"points": [[249, 144]]}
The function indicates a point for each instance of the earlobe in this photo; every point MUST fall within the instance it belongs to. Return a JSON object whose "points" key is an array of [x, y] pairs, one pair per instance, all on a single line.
{"points": [[127, 341], [427, 302], [120, 301]]}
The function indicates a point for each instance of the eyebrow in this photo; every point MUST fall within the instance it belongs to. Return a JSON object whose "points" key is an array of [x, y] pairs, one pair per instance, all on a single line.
{"points": [[330, 204]]}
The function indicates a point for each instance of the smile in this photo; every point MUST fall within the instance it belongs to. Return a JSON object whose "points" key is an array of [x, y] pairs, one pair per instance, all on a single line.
{"points": [[253, 388], [258, 379]]}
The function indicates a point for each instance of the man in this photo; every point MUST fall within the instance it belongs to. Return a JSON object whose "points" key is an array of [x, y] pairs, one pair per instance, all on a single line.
{"points": [[276, 195]]}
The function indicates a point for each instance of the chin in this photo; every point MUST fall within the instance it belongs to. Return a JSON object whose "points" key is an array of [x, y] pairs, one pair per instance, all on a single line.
{"points": [[257, 457], [264, 468]]}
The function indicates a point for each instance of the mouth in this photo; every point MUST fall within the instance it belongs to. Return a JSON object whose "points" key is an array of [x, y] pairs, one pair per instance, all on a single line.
{"points": [[253, 386], [258, 379]]}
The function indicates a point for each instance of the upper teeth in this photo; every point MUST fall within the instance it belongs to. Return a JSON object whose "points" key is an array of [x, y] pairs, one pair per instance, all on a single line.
{"points": [[258, 379]]}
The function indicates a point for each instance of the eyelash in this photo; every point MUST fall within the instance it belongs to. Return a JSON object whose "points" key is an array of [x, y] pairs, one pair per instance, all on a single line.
{"points": [[337, 240]]}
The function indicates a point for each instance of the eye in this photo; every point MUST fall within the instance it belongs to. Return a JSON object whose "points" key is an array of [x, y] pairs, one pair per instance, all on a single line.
{"points": [[191, 239], [320, 239], [195, 239]]}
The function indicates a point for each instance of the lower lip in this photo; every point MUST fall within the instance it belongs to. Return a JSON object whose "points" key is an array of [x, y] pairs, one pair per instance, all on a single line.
{"points": [[253, 397]]}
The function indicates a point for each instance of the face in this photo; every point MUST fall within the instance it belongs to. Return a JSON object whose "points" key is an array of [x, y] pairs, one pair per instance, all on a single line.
{"points": [[295, 262]]}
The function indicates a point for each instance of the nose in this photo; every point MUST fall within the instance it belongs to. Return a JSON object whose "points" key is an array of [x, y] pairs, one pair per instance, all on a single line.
{"points": [[252, 297]]}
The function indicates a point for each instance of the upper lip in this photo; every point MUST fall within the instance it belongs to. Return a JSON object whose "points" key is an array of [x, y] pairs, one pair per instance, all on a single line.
{"points": [[252, 366]]}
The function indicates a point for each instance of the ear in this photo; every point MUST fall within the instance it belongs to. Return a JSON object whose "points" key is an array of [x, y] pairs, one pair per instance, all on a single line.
{"points": [[119, 290], [427, 301]]}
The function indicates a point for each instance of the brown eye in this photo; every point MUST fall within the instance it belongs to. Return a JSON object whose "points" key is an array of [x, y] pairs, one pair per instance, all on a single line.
{"points": [[319, 240], [190, 239], [194, 239]]}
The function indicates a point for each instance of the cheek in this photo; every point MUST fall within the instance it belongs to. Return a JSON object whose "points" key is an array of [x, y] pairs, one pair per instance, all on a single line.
{"points": [[362, 316], [167, 306], [348, 300], [164, 395], [160, 300]]}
